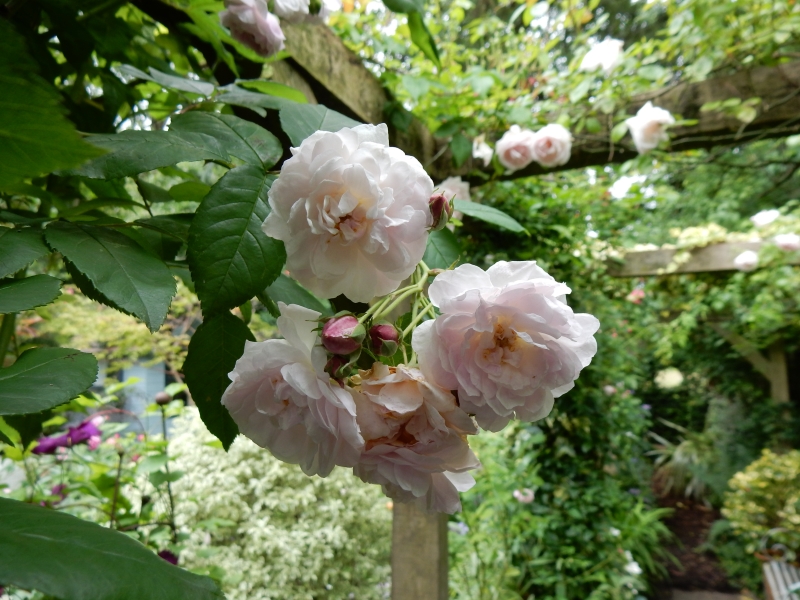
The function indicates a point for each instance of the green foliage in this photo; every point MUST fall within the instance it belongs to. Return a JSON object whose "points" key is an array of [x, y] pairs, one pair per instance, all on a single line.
{"points": [[287, 290], [301, 120], [27, 293], [488, 214], [442, 251], [19, 248]]}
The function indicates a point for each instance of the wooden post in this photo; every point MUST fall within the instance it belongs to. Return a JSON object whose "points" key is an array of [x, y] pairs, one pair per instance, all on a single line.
{"points": [[419, 554]]}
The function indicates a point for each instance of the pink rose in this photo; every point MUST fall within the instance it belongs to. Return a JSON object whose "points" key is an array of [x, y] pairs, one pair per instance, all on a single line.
{"points": [[506, 340], [515, 148], [552, 145], [788, 242], [251, 23], [649, 127]]}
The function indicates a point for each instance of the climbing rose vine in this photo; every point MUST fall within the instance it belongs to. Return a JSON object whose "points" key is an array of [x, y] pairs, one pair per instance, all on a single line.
{"points": [[396, 398]]}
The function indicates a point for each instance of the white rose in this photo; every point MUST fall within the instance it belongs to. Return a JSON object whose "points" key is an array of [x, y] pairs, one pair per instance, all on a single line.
{"points": [[765, 217], [669, 378], [606, 55], [352, 212], [281, 398], [648, 127], [746, 261], [454, 186], [788, 242], [415, 437], [552, 145], [481, 150], [505, 340], [251, 23], [515, 148], [292, 10], [633, 568]]}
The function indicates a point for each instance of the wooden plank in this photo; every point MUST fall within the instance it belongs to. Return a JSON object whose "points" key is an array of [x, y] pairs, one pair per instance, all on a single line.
{"points": [[419, 554], [715, 257]]}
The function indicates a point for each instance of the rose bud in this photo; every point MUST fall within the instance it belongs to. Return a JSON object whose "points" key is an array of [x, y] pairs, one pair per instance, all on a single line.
{"points": [[337, 367], [441, 211], [383, 339], [342, 335]]}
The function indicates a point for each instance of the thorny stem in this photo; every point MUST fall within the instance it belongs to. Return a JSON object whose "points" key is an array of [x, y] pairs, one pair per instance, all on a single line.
{"points": [[169, 485]]}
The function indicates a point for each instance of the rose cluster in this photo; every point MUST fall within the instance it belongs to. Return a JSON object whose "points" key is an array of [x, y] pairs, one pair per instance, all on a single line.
{"points": [[396, 400]]}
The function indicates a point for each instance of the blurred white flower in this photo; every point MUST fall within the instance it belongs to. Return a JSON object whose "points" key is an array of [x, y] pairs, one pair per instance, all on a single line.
{"points": [[606, 55], [669, 378], [481, 150], [415, 435], [506, 340], [454, 186], [552, 145], [352, 211], [788, 242], [609, 390], [765, 217], [515, 148], [282, 399], [458, 527], [251, 23], [648, 127], [614, 532], [633, 568], [746, 261], [524, 496]]}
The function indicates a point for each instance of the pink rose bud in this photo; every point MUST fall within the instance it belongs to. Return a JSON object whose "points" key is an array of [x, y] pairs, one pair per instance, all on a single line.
{"points": [[383, 339], [337, 366], [441, 211], [343, 335]]}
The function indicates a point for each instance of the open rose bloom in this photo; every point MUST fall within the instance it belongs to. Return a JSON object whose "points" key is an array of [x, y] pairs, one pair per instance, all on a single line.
{"points": [[251, 23], [396, 401]]}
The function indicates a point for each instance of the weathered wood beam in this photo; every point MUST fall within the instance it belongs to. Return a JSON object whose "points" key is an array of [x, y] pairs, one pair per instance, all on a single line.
{"points": [[715, 257], [419, 554]]}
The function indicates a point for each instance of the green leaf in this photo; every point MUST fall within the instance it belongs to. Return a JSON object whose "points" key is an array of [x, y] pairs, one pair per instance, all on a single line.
{"points": [[272, 88], [243, 139], [405, 6], [132, 152], [230, 258], [122, 273], [24, 294], [253, 100], [189, 191], [176, 225], [442, 250], [619, 131], [213, 351], [489, 215], [203, 88], [422, 38], [287, 290], [159, 477], [150, 464], [62, 556], [301, 120], [35, 136], [19, 248], [579, 92], [43, 378], [461, 148]]}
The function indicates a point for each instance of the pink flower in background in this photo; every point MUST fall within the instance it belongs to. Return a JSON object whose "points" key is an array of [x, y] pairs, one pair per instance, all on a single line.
{"points": [[609, 390], [281, 398], [606, 55], [636, 296], [788, 242], [352, 211], [251, 23], [415, 436], [506, 340], [552, 145], [515, 148], [649, 127], [746, 261], [524, 496]]}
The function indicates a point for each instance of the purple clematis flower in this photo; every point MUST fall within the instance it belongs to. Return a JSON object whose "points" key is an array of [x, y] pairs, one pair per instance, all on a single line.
{"points": [[168, 556], [85, 432]]}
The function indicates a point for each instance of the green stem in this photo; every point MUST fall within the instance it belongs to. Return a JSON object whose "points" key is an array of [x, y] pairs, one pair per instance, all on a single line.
{"points": [[6, 331], [169, 485]]}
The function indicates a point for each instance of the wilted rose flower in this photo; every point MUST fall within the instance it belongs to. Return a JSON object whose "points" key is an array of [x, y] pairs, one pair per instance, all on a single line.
{"points": [[342, 334], [609, 390], [606, 55], [251, 23], [636, 296], [281, 398], [415, 435], [481, 150], [515, 148], [765, 217], [746, 261], [552, 145], [669, 378], [352, 212], [524, 496], [648, 127], [788, 242], [506, 340]]}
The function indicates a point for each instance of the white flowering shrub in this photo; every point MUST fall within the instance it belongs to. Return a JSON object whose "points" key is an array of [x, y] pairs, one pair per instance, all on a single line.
{"points": [[269, 532]]}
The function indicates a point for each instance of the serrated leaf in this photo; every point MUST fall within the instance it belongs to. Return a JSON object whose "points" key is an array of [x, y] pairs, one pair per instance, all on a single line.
{"points": [[489, 214], [213, 351], [176, 225], [133, 152], [19, 248], [230, 257], [287, 290], [442, 249], [43, 378], [65, 557], [422, 37], [35, 136], [27, 293], [120, 270], [243, 139], [301, 120]]}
